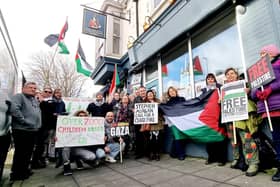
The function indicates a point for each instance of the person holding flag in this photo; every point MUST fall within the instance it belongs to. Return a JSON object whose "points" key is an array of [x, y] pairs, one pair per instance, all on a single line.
{"points": [[271, 94]]}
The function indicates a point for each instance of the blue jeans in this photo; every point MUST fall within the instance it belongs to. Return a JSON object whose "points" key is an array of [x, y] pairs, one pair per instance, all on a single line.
{"points": [[115, 148]]}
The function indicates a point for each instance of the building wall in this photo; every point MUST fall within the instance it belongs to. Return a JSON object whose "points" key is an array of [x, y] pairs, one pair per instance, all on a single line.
{"points": [[260, 25]]}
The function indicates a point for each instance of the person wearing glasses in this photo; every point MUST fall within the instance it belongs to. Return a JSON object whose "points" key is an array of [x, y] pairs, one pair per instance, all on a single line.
{"points": [[47, 106], [26, 121], [271, 94]]}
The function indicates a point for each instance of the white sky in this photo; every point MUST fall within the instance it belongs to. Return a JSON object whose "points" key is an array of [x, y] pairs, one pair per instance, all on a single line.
{"points": [[30, 21]]}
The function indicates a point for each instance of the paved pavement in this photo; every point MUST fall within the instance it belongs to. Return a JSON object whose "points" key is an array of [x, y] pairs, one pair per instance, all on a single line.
{"points": [[134, 173]]}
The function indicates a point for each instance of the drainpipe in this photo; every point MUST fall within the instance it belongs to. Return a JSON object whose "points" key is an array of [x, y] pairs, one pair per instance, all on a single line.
{"points": [[137, 18]]}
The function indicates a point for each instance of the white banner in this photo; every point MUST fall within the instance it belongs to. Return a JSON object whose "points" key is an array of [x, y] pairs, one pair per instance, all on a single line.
{"points": [[74, 104], [79, 131], [145, 113], [234, 103]]}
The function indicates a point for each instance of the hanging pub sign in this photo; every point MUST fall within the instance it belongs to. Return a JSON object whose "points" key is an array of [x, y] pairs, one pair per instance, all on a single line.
{"points": [[94, 23], [260, 73]]}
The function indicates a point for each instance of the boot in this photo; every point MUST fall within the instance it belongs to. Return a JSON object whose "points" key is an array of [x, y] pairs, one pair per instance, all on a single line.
{"points": [[234, 164], [252, 170], [67, 169], [276, 177]]}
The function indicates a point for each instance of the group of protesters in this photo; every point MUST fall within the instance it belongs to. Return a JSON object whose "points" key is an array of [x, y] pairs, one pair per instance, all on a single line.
{"points": [[34, 118]]}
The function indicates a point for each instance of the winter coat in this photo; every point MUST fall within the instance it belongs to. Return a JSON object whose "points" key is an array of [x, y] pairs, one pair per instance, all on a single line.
{"points": [[26, 113]]}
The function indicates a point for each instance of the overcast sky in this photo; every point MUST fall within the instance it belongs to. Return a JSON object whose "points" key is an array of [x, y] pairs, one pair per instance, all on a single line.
{"points": [[30, 21]]}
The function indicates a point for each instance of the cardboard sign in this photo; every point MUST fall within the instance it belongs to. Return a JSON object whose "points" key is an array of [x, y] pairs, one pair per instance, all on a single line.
{"points": [[73, 104], [79, 131], [260, 73], [234, 104], [120, 129], [145, 113]]}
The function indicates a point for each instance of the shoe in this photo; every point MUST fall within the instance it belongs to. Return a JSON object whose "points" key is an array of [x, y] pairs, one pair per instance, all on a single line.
{"points": [[152, 157], [207, 162], [96, 162], [79, 164], [252, 170], [110, 159], [233, 164], [157, 157], [17, 177], [181, 158], [138, 157], [276, 176], [221, 163], [38, 165], [67, 169]]}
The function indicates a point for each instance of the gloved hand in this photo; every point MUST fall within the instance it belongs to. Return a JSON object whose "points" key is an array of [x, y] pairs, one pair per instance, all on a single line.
{"points": [[266, 93], [259, 95], [263, 95]]}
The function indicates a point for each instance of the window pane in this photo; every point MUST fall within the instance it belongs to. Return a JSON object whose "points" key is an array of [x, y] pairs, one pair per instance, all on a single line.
{"points": [[116, 45], [156, 3], [215, 55], [176, 73]]}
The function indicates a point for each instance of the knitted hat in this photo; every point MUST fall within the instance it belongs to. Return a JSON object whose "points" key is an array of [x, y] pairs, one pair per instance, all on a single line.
{"points": [[270, 49]]}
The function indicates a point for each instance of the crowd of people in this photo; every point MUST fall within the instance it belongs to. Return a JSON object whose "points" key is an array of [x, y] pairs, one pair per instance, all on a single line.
{"points": [[31, 119]]}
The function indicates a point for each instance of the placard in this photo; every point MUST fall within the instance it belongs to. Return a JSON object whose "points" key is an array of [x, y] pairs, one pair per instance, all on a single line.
{"points": [[119, 129], [145, 113], [234, 102], [79, 131], [260, 73], [73, 104]]}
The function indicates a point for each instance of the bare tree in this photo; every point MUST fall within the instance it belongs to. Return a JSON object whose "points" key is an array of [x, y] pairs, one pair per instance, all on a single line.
{"points": [[58, 73]]}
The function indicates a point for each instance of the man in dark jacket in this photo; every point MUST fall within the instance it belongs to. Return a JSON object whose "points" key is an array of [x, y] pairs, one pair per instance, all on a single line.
{"points": [[99, 107]]}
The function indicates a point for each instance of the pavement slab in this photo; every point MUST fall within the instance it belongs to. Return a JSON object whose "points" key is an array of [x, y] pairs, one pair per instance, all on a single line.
{"points": [[191, 172]]}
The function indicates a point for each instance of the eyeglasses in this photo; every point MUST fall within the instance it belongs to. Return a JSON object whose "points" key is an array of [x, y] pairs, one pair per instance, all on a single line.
{"points": [[48, 91]]}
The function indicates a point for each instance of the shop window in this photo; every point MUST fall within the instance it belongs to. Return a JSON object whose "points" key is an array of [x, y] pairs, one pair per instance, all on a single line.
{"points": [[151, 70], [175, 69], [215, 55]]}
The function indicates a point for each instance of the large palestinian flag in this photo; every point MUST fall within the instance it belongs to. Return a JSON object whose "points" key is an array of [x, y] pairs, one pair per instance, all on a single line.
{"points": [[196, 119]]}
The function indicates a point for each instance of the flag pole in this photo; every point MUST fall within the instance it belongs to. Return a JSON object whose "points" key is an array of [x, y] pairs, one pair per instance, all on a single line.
{"points": [[52, 61], [267, 112], [121, 160]]}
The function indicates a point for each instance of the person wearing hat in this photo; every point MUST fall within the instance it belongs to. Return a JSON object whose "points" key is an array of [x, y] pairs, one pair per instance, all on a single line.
{"points": [[271, 94], [99, 107]]}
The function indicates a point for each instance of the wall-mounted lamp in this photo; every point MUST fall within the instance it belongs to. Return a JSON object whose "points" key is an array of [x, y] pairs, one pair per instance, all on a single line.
{"points": [[131, 41], [240, 9], [148, 22]]}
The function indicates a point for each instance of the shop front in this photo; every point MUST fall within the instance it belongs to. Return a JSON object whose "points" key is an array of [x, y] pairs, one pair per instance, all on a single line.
{"points": [[191, 39]]}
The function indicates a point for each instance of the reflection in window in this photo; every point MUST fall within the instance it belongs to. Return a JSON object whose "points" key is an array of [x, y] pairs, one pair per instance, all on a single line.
{"points": [[176, 73], [217, 54]]}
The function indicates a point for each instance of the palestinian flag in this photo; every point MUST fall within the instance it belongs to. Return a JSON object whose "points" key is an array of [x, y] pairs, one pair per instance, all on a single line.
{"points": [[164, 70], [196, 119], [82, 65], [197, 69], [61, 44], [115, 81]]}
